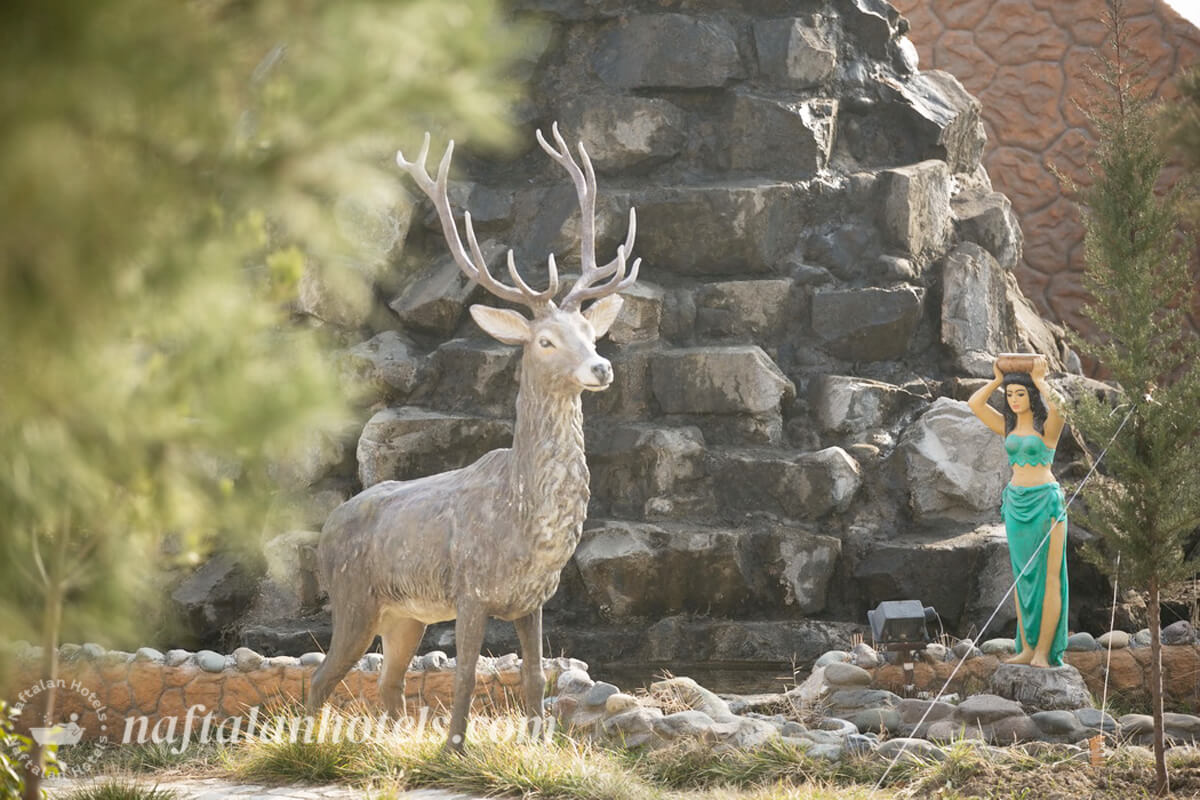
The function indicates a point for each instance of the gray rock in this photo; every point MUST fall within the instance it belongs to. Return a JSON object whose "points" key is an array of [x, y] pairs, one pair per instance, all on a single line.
{"points": [[246, 659], [435, 302], [292, 571], [621, 132], [632, 464], [1011, 730], [853, 406], [632, 569], [755, 310], [924, 712], [372, 662], [999, 647], [870, 324], [599, 693], [633, 727], [1044, 689], [471, 376], [668, 51], [148, 655], [336, 293], [865, 656], [873, 720], [826, 752], [1063, 724], [214, 595], [406, 443], [683, 724], [916, 208], [909, 750], [1031, 333], [806, 486], [1095, 721], [1082, 642], [1136, 724], [683, 638], [388, 364], [872, 23], [780, 136], [841, 674], [939, 116], [832, 657], [987, 709], [718, 380], [858, 698], [434, 660], [574, 682], [989, 598], [794, 53], [966, 648], [1141, 638], [209, 661], [973, 308], [1180, 632], [859, 745], [987, 219], [312, 659], [935, 653], [694, 696], [956, 467], [641, 315], [175, 658], [1117, 640]]}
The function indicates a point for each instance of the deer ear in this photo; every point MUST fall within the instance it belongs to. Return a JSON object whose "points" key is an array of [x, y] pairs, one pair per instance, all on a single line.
{"points": [[503, 324], [603, 313]]}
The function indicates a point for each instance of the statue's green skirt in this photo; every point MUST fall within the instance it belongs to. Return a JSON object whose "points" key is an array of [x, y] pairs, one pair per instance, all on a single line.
{"points": [[1029, 512]]}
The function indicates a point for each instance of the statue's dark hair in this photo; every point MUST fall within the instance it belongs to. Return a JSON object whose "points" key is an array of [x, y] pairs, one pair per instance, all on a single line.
{"points": [[1036, 403]]}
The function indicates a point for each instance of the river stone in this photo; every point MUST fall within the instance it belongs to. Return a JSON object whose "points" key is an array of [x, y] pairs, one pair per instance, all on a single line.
{"points": [[313, 659], [373, 662], [916, 207], [683, 723], [999, 647], [599, 693], [246, 659], [175, 658], [956, 467], [675, 51], [1059, 723], [619, 703], [832, 657], [843, 674], [973, 308], [1045, 689], [209, 661], [1117, 640], [910, 750], [794, 52], [1093, 720], [718, 380], [574, 682], [867, 324], [1082, 642], [149, 655], [865, 656], [985, 709], [1141, 638], [1180, 632]]}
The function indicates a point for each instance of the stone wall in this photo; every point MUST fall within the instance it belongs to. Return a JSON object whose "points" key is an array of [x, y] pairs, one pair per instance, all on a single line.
{"points": [[1027, 61], [105, 689]]}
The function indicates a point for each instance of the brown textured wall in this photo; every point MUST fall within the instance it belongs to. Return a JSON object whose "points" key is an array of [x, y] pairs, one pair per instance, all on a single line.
{"points": [[1026, 61]]}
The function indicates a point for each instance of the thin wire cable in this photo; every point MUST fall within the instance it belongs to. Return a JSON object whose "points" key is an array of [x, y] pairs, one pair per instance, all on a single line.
{"points": [[1004, 599]]}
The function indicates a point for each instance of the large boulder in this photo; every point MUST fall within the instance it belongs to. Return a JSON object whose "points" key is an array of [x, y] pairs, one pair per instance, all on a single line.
{"points": [[790, 642], [435, 302], [212, 597], [676, 51], [1056, 688], [718, 380], [850, 406], [756, 310], [955, 466], [870, 324], [471, 375], [915, 214], [974, 308], [780, 136], [987, 218], [405, 443], [795, 52], [804, 486], [633, 465], [620, 132], [940, 115], [640, 319], [388, 365]]}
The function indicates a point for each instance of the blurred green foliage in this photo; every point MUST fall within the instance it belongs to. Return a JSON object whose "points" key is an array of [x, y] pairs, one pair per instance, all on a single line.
{"points": [[168, 172]]}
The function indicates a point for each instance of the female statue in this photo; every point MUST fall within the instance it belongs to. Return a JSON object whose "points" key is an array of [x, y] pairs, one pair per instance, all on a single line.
{"points": [[1033, 504]]}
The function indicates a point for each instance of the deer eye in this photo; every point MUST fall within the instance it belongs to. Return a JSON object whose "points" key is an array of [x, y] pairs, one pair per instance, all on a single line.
{"points": [[544, 342]]}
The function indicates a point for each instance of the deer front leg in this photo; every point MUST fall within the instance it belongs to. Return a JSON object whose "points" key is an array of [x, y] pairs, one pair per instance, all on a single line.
{"points": [[468, 638], [533, 678]]}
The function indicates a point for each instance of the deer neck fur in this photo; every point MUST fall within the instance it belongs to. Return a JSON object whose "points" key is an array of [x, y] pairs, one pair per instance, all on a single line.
{"points": [[549, 471]]}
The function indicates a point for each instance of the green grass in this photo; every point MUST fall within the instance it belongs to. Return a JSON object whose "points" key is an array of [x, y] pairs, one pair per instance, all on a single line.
{"points": [[117, 790]]}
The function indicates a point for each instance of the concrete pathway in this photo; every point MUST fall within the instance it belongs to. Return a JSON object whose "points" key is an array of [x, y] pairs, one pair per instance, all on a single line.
{"points": [[217, 789]]}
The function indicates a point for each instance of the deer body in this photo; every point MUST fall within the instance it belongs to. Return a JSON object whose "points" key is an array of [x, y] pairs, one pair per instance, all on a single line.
{"points": [[489, 539]]}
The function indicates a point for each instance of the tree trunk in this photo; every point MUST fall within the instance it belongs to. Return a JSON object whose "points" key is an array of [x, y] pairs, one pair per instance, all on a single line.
{"points": [[1161, 783], [51, 622]]}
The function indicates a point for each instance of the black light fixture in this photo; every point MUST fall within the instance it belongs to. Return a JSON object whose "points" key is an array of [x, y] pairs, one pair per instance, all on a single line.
{"points": [[901, 625]]}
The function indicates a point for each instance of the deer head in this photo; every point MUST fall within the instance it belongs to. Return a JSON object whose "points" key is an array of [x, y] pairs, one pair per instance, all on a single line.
{"points": [[559, 339]]}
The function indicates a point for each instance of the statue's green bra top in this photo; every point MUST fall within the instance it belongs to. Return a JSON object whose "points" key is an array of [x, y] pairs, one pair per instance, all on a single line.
{"points": [[1028, 450]]}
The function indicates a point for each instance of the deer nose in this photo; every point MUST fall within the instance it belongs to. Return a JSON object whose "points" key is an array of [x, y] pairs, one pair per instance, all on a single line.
{"points": [[602, 371]]}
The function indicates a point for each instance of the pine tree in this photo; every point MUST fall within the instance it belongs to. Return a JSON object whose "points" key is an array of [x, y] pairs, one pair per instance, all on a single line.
{"points": [[1146, 504]]}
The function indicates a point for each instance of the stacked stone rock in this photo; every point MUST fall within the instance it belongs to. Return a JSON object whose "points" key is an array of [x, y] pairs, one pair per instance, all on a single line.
{"points": [[825, 267], [1028, 61]]}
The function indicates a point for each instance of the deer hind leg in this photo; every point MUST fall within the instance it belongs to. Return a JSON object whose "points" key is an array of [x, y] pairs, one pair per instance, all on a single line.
{"points": [[468, 639], [353, 629], [401, 638], [533, 678]]}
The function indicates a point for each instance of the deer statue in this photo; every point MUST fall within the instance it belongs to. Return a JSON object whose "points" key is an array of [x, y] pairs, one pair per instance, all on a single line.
{"points": [[489, 539]]}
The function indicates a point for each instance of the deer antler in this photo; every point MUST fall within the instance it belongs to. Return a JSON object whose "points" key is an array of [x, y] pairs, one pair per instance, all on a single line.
{"points": [[473, 265], [585, 186]]}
